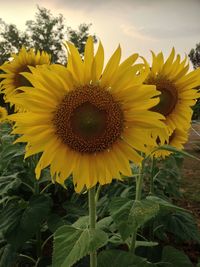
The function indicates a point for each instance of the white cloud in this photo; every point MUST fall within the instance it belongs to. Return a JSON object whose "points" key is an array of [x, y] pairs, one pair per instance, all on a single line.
{"points": [[134, 32]]}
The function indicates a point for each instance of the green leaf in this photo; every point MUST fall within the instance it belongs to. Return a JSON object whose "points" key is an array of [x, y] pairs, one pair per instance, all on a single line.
{"points": [[119, 258], [72, 244], [146, 244], [129, 215], [74, 210], [105, 223], [175, 258], [29, 221], [164, 205], [7, 256], [183, 226], [9, 182], [82, 222], [9, 217], [54, 222], [116, 239]]}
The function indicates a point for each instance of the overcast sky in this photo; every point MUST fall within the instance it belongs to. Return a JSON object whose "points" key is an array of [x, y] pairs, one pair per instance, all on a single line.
{"points": [[138, 25]]}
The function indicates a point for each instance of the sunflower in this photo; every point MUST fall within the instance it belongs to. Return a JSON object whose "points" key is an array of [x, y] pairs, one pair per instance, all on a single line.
{"points": [[87, 121], [177, 139], [176, 85], [3, 114], [13, 82]]}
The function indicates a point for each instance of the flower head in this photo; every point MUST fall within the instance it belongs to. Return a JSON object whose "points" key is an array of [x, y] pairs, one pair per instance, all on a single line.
{"points": [[176, 84], [177, 139], [87, 121], [13, 81]]}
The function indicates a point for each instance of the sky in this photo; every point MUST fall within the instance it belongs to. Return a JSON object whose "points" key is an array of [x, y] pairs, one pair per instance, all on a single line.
{"points": [[137, 25]]}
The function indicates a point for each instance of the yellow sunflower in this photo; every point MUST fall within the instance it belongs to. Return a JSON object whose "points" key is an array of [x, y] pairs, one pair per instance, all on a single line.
{"points": [[87, 121], [3, 114], [12, 78], [177, 139], [176, 85]]}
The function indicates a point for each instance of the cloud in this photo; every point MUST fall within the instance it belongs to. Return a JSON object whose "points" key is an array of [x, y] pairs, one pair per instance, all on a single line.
{"points": [[176, 31], [134, 32]]}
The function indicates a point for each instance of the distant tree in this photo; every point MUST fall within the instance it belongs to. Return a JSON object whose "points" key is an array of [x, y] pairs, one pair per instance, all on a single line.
{"points": [[11, 40], [79, 37], [194, 56], [46, 32]]}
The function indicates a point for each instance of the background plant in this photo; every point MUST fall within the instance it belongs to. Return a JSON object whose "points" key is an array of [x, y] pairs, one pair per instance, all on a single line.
{"points": [[33, 211]]}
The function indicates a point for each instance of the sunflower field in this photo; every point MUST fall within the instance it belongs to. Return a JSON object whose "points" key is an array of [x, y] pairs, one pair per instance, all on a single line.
{"points": [[91, 157]]}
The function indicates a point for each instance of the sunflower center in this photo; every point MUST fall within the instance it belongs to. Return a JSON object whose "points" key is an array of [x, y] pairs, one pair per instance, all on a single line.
{"points": [[168, 97], [89, 120]]}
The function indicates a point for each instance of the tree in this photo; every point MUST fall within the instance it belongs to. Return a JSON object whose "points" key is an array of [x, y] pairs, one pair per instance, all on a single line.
{"points": [[79, 37], [194, 56], [46, 32], [11, 40]]}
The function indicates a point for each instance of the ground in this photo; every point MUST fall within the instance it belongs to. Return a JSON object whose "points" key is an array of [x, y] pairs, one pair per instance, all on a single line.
{"points": [[190, 186]]}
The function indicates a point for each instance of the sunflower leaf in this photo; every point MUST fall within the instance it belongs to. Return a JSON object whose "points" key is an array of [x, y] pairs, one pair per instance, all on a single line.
{"points": [[21, 220], [8, 183], [129, 215], [117, 258], [71, 244], [7, 256], [175, 258]]}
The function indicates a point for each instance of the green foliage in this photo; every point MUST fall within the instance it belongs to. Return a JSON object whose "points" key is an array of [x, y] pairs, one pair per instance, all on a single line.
{"points": [[129, 215], [45, 33], [71, 244], [164, 176], [32, 211], [175, 258], [194, 56], [79, 37], [29, 221], [11, 40], [117, 258], [180, 224], [7, 256]]}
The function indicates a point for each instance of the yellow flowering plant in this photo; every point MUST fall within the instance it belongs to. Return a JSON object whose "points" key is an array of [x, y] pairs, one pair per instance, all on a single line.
{"points": [[93, 123]]}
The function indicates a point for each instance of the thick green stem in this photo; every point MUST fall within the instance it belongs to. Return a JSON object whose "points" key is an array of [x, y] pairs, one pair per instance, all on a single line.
{"points": [[139, 183], [92, 221]]}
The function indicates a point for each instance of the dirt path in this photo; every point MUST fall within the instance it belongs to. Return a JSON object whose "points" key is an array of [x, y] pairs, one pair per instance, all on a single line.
{"points": [[191, 173]]}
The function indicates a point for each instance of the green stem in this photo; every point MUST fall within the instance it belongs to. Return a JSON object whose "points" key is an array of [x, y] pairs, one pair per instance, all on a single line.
{"points": [[151, 192], [45, 242], [38, 233], [97, 193], [27, 257], [139, 183], [92, 221], [28, 186], [45, 188]]}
